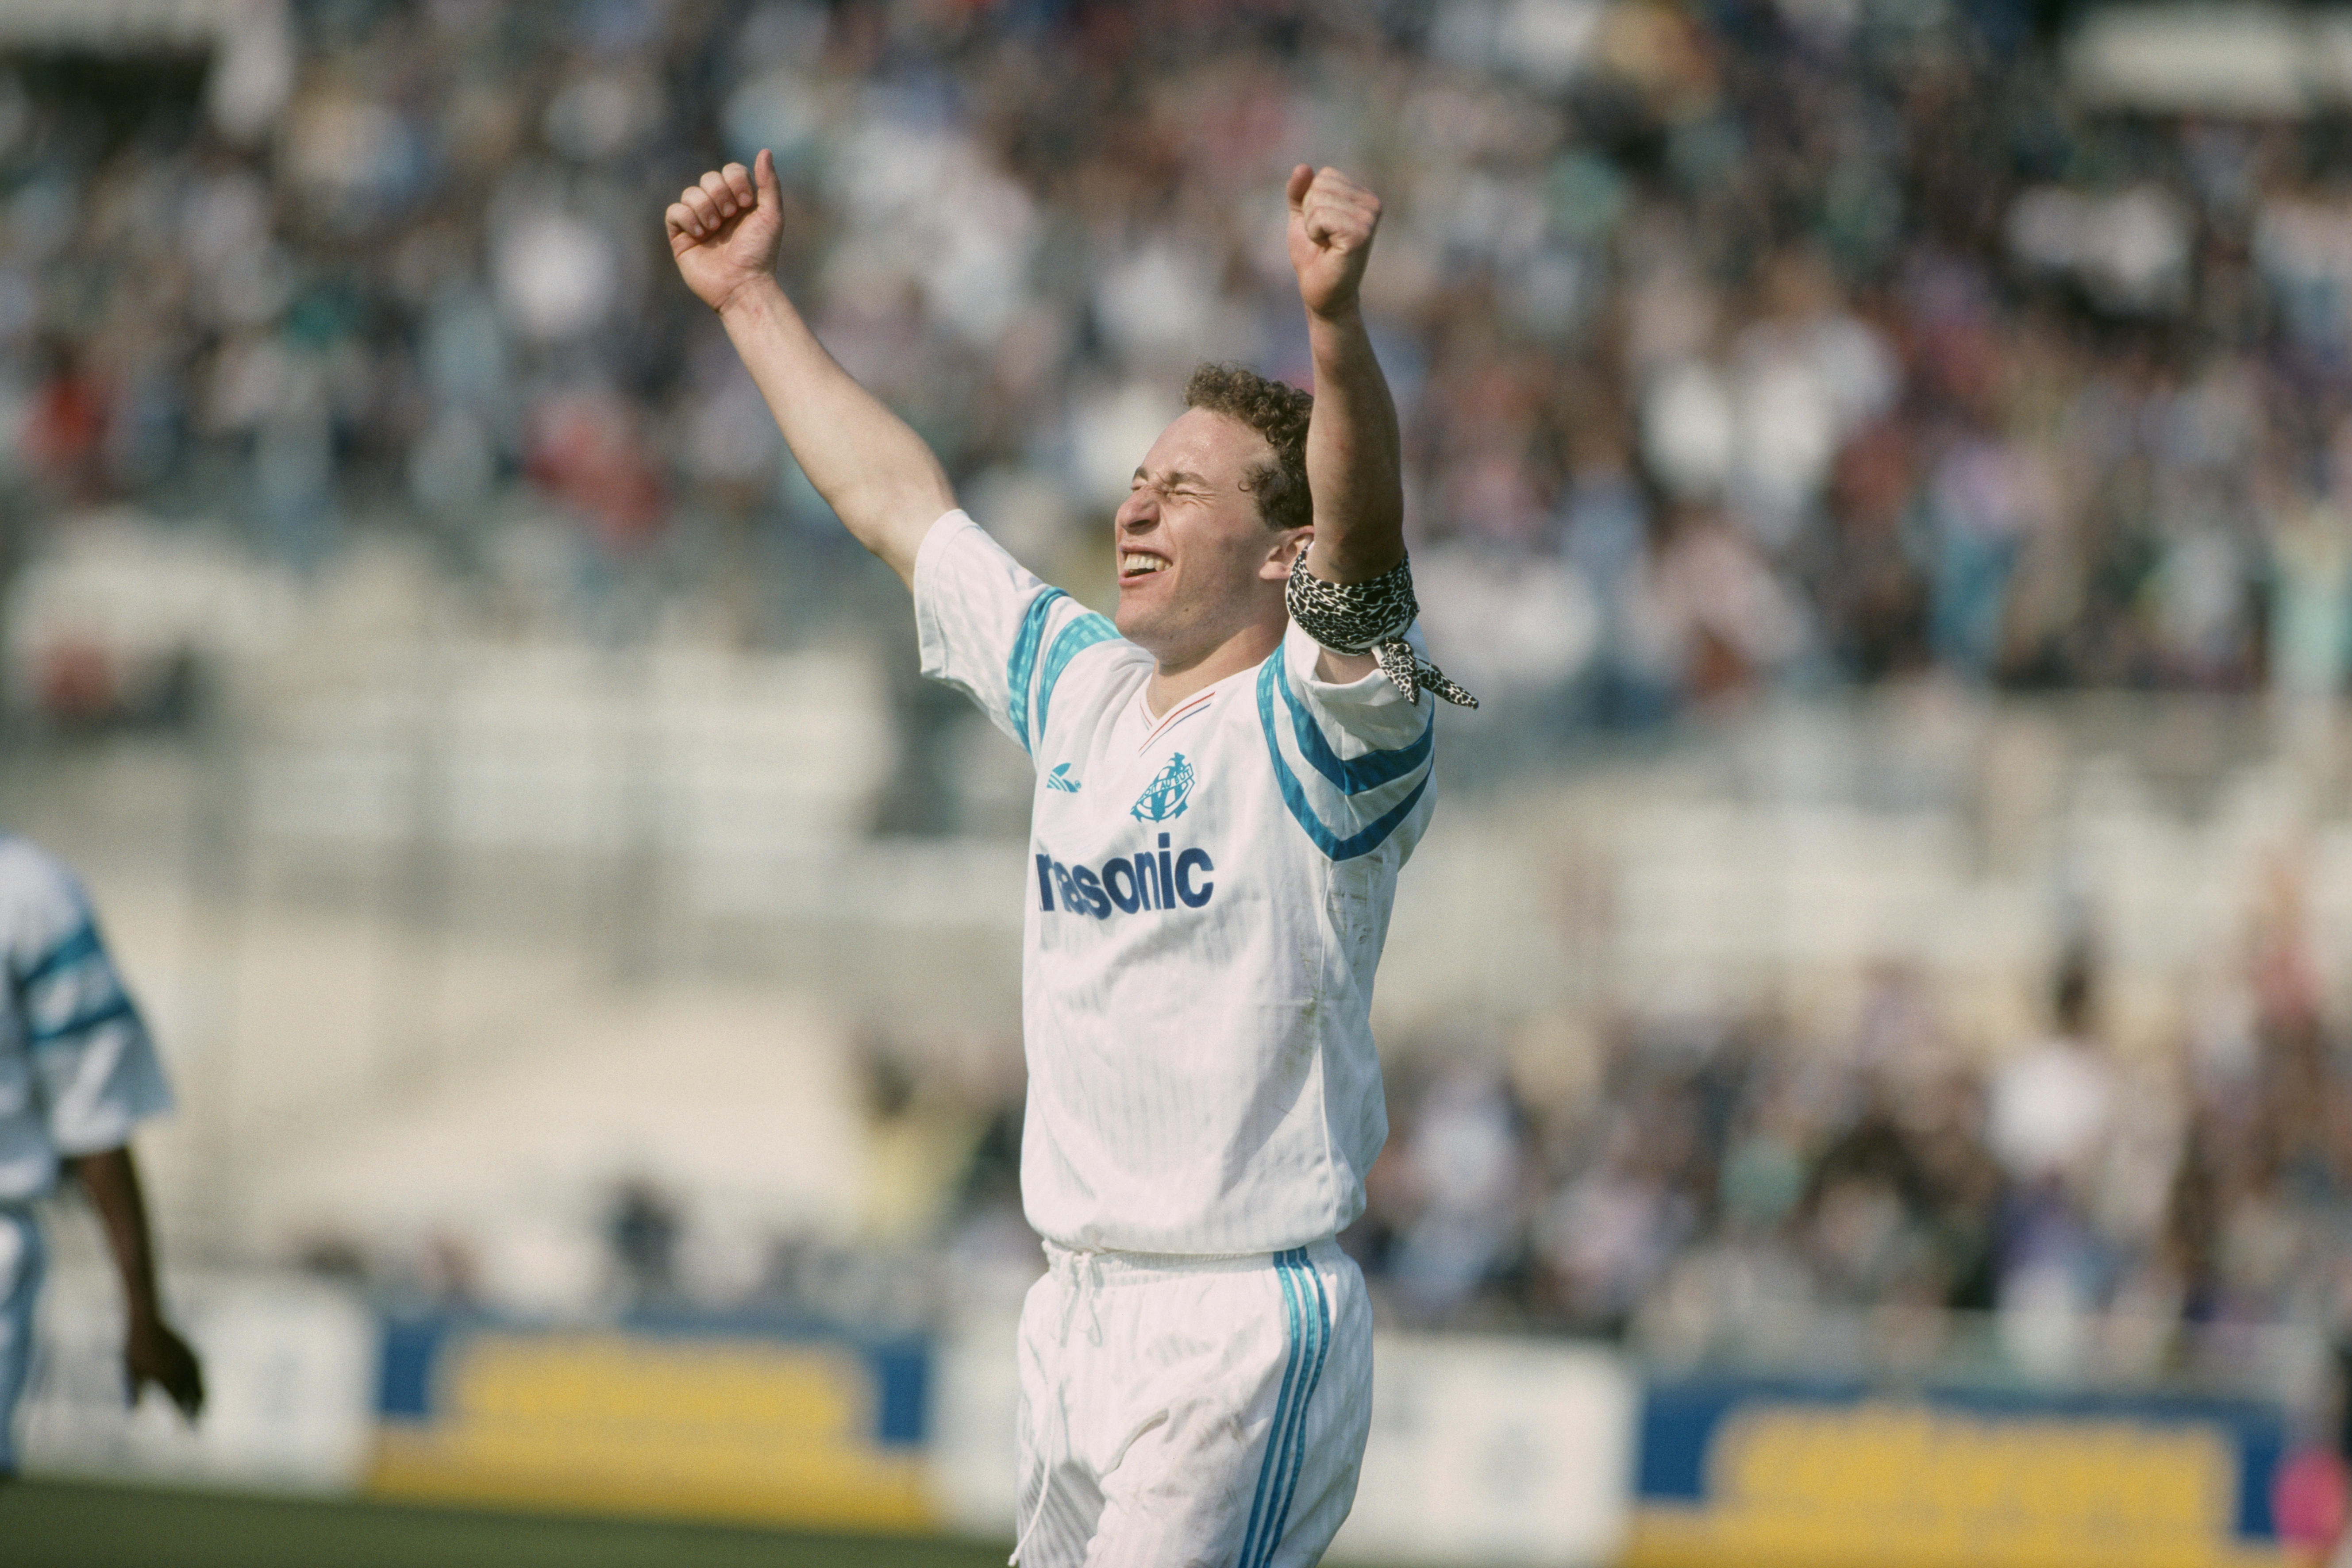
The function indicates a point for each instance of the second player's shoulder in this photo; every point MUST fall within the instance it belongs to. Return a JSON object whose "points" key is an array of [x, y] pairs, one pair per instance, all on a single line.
{"points": [[41, 899], [31, 876]]}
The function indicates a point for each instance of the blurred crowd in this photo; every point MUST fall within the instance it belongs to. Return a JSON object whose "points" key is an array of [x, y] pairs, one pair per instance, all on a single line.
{"points": [[1864, 1190], [1728, 1190], [1736, 342]]}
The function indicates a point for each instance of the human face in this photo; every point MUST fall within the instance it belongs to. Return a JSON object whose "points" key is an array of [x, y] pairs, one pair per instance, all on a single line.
{"points": [[1196, 560]]}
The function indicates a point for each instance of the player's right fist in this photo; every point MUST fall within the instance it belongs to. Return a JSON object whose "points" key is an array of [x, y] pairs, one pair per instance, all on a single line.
{"points": [[725, 230]]}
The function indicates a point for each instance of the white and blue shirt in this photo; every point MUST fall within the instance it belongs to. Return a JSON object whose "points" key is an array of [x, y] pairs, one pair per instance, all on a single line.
{"points": [[77, 1068], [1208, 890]]}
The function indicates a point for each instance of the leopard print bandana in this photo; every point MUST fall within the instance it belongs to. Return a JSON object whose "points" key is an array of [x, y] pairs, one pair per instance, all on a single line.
{"points": [[1355, 617]]}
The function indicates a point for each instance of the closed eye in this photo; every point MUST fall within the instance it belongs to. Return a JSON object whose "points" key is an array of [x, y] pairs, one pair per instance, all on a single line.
{"points": [[1191, 487]]}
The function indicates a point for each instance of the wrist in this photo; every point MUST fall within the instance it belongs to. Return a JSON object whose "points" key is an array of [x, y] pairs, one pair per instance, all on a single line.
{"points": [[751, 298], [1340, 324]]}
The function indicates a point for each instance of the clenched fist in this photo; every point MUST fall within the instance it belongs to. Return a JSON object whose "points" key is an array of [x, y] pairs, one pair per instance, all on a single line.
{"points": [[1331, 224], [725, 231], [152, 1353]]}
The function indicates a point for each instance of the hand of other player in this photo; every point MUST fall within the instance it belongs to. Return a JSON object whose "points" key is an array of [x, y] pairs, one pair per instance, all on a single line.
{"points": [[725, 230], [152, 1353], [1331, 224]]}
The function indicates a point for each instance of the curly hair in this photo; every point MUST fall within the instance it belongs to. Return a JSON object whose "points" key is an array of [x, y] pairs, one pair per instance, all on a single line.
{"points": [[1276, 410]]}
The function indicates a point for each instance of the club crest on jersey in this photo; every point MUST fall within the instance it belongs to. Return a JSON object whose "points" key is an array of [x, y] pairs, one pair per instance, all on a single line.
{"points": [[1163, 799]]}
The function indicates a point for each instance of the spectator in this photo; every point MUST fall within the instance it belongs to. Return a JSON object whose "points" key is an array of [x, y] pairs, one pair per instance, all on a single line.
{"points": [[1813, 307]]}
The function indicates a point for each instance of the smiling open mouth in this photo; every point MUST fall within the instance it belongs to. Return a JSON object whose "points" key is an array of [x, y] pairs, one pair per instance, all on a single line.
{"points": [[1133, 563]]}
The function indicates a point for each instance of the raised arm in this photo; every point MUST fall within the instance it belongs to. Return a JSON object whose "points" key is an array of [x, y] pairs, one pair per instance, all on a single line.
{"points": [[1353, 465], [878, 475]]}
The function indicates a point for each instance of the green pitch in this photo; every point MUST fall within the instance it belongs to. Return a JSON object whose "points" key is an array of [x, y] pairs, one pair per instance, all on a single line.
{"points": [[59, 1524]]}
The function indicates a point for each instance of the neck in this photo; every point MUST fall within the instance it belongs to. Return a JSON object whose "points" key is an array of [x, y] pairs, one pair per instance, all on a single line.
{"points": [[1175, 680]]}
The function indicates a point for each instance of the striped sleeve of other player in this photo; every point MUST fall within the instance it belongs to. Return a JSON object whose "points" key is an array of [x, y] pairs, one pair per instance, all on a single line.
{"points": [[991, 629], [1352, 759], [94, 1068]]}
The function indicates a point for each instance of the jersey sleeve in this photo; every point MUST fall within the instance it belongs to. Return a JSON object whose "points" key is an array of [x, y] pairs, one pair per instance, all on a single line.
{"points": [[1352, 757], [993, 631], [94, 1068]]}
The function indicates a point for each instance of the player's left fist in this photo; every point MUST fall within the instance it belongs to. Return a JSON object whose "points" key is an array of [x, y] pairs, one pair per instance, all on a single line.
{"points": [[1332, 220]]}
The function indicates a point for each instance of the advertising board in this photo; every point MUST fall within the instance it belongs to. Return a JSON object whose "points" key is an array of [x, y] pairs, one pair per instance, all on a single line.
{"points": [[726, 1424], [1797, 1476]]}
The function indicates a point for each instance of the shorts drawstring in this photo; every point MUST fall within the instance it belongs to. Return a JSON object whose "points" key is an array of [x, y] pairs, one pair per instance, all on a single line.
{"points": [[1083, 1283]]}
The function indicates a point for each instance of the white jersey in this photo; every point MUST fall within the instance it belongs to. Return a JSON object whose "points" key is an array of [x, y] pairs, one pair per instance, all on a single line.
{"points": [[77, 1069], [1209, 889]]}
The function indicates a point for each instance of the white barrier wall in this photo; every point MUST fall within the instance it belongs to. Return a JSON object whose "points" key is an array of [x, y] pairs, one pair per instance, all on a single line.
{"points": [[976, 1390], [291, 1368], [1494, 1451]]}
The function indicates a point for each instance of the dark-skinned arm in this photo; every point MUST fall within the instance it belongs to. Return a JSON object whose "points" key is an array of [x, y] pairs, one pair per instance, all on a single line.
{"points": [[151, 1351]]}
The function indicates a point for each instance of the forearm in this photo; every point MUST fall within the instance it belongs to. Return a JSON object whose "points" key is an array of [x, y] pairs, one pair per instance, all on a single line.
{"points": [[151, 1351], [112, 1182], [1354, 455], [878, 476]]}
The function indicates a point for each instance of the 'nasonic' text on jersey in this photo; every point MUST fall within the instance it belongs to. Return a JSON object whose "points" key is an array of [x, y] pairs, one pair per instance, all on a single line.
{"points": [[1208, 889]]}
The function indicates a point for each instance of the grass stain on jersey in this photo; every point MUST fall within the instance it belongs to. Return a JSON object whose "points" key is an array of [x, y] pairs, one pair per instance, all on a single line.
{"points": [[1164, 797]]}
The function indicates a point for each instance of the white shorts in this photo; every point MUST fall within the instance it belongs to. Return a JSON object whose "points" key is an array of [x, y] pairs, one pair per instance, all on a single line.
{"points": [[20, 1282], [1192, 1412]]}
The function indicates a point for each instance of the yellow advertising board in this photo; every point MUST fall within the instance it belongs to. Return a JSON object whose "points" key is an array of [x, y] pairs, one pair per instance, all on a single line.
{"points": [[1768, 1482], [747, 1429]]}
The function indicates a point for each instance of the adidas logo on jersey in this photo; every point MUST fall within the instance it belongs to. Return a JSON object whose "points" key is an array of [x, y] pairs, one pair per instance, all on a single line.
{"points": [[1060, 779], [1150, 880]]}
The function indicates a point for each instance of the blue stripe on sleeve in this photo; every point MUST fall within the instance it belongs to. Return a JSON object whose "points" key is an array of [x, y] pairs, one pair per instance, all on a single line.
{"points": [[1357, 775], [1294, 796], [1269, 1467], [81, 944], [119, 1007], [1023, 662], [1076, 637]]}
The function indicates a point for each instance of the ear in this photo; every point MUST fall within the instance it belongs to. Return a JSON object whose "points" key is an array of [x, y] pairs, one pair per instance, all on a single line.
{"points": [[1288, 546]]}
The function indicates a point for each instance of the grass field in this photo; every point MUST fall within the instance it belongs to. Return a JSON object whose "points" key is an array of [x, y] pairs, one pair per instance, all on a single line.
{"points": [[60, 1524]]}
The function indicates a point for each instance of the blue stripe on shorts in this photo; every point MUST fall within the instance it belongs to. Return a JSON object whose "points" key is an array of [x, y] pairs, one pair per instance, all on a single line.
{"points": [[1308, 1327]]}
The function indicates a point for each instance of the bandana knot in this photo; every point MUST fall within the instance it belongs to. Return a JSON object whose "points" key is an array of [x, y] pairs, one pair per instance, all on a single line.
{"points": [[1369, 617]]}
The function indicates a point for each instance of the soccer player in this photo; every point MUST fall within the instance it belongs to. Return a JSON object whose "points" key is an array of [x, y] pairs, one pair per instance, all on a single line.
{"points": [[1222, 806], [77, 1073]]}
